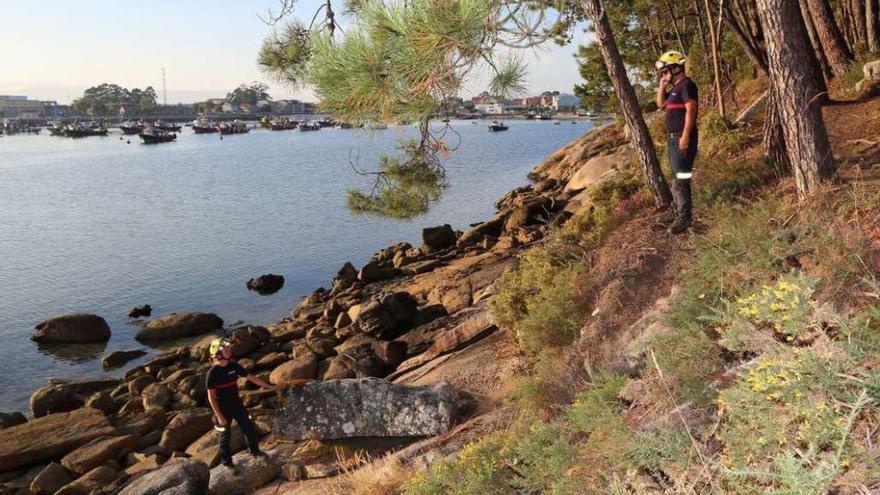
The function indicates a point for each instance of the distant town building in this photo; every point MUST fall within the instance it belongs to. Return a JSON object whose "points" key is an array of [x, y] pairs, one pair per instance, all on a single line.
{"points": [[564, 102], [482, 99], [12, 106], [228, 107], [493, 108]]}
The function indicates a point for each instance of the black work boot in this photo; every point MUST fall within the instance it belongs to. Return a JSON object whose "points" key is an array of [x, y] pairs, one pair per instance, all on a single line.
{"points": [[681, 193], [667, 216]]}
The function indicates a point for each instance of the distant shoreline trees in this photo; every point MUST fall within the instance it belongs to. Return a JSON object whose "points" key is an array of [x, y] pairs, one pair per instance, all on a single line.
{"points": [[106, 99]]}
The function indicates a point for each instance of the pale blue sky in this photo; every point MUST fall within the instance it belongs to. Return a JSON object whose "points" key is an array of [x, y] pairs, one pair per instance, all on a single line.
{"points": [[54, 49]]}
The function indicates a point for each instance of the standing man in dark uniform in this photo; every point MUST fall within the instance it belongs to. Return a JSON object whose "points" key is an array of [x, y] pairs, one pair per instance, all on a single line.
{"points": [[678, 95], [222, 384]]}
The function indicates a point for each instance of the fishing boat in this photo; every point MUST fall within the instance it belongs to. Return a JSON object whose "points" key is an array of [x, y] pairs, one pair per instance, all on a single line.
{"points": [[326, 123], [309, 126], [155, 135], [282, 124], [166, 126], [84, 130], [234, 127], [55, 129], [497, 126], [130, 128], [204, 126]]}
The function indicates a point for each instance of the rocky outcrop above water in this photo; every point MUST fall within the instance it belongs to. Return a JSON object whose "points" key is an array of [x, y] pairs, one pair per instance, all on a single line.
{"points": [[179, 325], [66, 396], [50, 437], [118, 358], [176, 477], [249, 472], [368, 407], [266, 284], [140, 311], [77, 328]]}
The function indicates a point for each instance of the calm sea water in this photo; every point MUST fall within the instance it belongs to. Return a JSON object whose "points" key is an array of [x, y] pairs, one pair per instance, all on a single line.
{"points": [[97, 225]]}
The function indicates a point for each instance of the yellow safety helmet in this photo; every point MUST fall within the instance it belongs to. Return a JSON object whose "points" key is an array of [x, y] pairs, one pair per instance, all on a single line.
{"points": [[670, 58], [218, 345]]}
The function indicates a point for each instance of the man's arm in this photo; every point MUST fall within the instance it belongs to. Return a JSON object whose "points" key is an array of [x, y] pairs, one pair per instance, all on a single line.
{"points": [[690, 121], [260, 383], [661, 91], [212, 399]]}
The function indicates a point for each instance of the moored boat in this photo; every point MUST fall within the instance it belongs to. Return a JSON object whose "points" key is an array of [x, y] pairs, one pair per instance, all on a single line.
{"points": [[204, 126], [497, 126], [282, 124], [155, 135], [234, 127], [166, 126], [84, 130], [130, 128], [309, 126]]}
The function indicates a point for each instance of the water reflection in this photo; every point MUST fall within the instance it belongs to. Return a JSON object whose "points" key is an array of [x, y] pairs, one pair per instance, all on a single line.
{"points": [[73, 353]]}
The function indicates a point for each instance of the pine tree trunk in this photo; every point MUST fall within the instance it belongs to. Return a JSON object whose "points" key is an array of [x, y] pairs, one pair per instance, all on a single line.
{"points": [[716, 67], [857, 8], [830, 37], [819, 59], [774, 137], [872, 25], [788, 52], [629, 104]]}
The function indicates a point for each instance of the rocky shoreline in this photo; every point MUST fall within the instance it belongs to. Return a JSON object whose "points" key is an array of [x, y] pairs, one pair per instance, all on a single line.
{"points": [[354, 357]]}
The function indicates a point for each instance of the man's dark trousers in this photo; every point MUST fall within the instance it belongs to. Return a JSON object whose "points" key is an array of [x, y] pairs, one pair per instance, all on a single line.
{"points": [[238, 413]]}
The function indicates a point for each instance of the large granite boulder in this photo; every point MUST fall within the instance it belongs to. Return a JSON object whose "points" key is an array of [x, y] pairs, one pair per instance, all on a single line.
{"points": [[367, 407], [157, 395], [302, 368], [50, 437], [66, 396], [50, 480], [207, 448], [266, 284], [78, 328], [176, 477], [186, 428], [590, 172], [536, 210], [97, 452], [11, 419], [179, 325], [387, 313], [491, 228], [437, 238], [89, 483], [250, 472]]}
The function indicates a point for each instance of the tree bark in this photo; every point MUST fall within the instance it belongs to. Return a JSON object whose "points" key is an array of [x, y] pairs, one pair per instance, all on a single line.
{"points": [[839, 56], [872, 25], [629, 104], [857, 10], [819, 59], [788, 52], [716, 65], [774, 137]]}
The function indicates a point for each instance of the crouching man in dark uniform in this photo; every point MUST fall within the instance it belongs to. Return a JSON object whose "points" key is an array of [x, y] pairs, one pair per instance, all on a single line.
{"points": [[222, 384], [678, 95]]}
